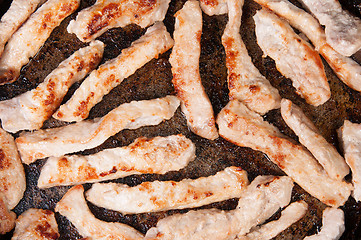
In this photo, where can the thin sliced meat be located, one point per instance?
(154, 156)
(109, 75)
(294, 212)
(165, 195)
(16, 15)
(245, 82)
(187, 82)
(345, 68)
(106, 14)
(7, 217)
(36, 224)
(333, 221)
(74, 207)
(294, 57)
(343, 31)
(29, 38)
(245, 128)
(29, 110)
(350, 137)
(91, 133)
(261, 199)
(309, 136)
(214, 7)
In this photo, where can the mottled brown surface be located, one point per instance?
(155, 80)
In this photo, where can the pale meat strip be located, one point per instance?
(333, 221)
(165, 195)
(294, 212)
(294, 57)
(187, 82)
(16, 15)
(309, 136)
(245, 82)
(36, 224)
(347, 70)
(29, 110)
(110, 74)
(261, 199)
(74, 207)
(91, 133)
(7, 217)
(245, 128)
(29, 38)
(106, 14)
(343, 31)
(214, 7)
(350, 137)
(154, 156)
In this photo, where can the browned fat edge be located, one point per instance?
(45, 230)
(212, 3)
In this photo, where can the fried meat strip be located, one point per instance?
(7, 217)
(74, 207)
(91, 133)
(165, 195)
(154, 156)
(347, 70)
(333, 225)
(245, 82)
(106, 14)
(28, 39)
(109, 75)
(187, 82)
(214, 7)
(30, 109)
(17, 14)
(294, 57)
(309, 136)
(294, 212)
(245, 128)
(343, 31)
(36, 224)
(261, 199)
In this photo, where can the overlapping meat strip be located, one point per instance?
(28, 39)
(294, 57)
(99, 83)
(343, 31)
(350, 137)
(29, 110)
(245, 82)
(310, 137)
(106, 14)
(165, 195)
(19, 11)
(187, 82)
(294, 212)
(157, 155)
(245, 128)
(74, 207)
(261, 199)
(214, 7)
(333, 225)
(91, 133)
(345, 68)
(36, 224)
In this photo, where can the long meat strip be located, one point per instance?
(17, 14)
(91, 133)
(29, 110)
(294, 57)
(245, 82)
(187, 82)
(106, 14)
(347, 70)
(74, 207)
(261, 199)
(245, 128)
(154, 156)
(28, 39)
(309, 136)
(109, 75)
(165, 195)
